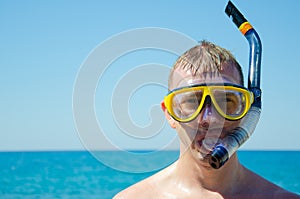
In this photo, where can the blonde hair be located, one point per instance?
(206, 58)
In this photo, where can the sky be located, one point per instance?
(46, 46)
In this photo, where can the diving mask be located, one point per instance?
(230, 100)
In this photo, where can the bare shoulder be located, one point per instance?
(266, 189)
(138, 190)
(146, 188)
(286, 194)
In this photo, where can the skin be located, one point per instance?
(191, 176)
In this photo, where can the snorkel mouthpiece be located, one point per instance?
(229, 145)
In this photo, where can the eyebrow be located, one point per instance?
(206, 84)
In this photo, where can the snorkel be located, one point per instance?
(229, 145)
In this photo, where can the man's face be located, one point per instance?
(202, 133)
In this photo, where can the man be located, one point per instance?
(206, 101)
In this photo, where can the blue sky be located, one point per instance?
(45, 43)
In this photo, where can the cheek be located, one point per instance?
(186, 133)
(229, 125)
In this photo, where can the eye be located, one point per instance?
(190, 100)
(232, 98)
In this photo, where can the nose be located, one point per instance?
(208, 115)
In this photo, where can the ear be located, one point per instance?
(171, 121)
(163, 106)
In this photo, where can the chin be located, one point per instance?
(202, 159)
(200, 153)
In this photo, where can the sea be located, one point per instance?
(80, 174)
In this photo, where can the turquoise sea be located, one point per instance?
(78, 174)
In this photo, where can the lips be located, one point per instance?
(210, 143)
(205, 144)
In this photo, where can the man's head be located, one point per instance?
(206, 97)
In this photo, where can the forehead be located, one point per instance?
(182, 77)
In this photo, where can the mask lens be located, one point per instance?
(231, 102)
(185, 104)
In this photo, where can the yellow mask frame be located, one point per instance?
(223, 96)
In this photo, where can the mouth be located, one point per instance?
(205, 144)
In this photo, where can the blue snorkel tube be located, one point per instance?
(229, 145)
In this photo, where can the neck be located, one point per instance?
(193, 172)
